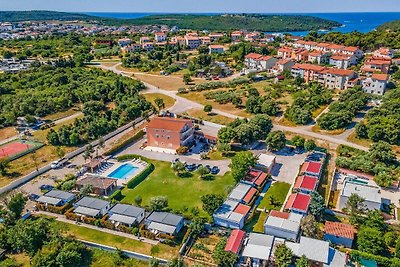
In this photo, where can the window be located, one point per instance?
(157, 136)
(168, 137)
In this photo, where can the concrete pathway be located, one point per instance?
(61, 218)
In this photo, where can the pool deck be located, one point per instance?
(117, 164)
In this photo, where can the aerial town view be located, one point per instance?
(212, 133)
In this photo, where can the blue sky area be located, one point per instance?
(198, 6)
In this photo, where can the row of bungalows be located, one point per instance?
(235, 210)
(330, 48)
(305, 184)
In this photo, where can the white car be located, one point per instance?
(55, 165)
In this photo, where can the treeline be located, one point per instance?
(366, 41)
(49, 89)
(379, 161)
(383, 122)
(342, 112)
(245, 131)
(307, 101)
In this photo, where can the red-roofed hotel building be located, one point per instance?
(169, 133)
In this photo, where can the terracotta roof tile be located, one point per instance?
(340, 229)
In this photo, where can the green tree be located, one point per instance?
(154, 262)
(203, 171)
(317, 205)
(207, 108)
(176, 262)
(187, 78)
(374, 219)
(276, 140)
(283, 256)
(302, 262)
(309, 145)
(86, 190)
(241, 163)
(382, 152)
(138, 200)
(15, 205)
(178, 167)
(222, 257)
(211, 202)
(159, 102)
(196, 226)
(68, 185)
(397, 248)
(4, 164)
(226, 134)
(298, 141)
(309, 227)
(158, 203)
(371, 240)
(356, 208)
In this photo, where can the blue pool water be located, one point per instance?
(123, 171)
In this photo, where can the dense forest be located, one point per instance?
(48, 89)
(224, 22)
(383, 122)
(391, 25)
(366, 41)
(41, 15)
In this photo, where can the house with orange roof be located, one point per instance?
(309, 45)
(148, 46)
(231, 214)
(256, 62)
(169, 133)
(179, 40)
(318, 57)
(144, 39)
(160, 36)
(376, 84)
(131, 48)
(281, 65)
(300, 54)
(236, 35)
(339, 233)
(192, 41)
(306, 184)
(124, 42)
(384, 52)
(285, 52)
(372, 65)
(252, 36)
(308, 72)
(205, 40)
(342, 61)
(214, 37)
(216, 49)
(298, 203)
(338, 78)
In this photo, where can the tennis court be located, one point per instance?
(18, 148)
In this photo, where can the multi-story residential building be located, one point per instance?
(338, 78)
(373, 65)
(318, 57)
(281, 65)
(148, 46)
(285, 52)
(236, 35)
(308, 72)
(144, 39)
(342, 61)
(257, 62)
(216, 49)
(124, 42)
(384, 52)
(205, 40)
(192, 42)
(214, 37)
(169, 133)
(333, 48)
(132, 48)
(252, 36)
(160, 36)
(376, 84)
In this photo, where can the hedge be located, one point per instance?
(117, 195)
(125, 143)
(141, 176)
(132, 156)
(380, 260)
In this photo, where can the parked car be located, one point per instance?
(214, 170)
(46, 187)
(191, 167)
(33, 197)
(55, 164)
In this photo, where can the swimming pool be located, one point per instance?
(123, 171)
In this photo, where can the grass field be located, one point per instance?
(278, 192)
(211, 117)
(21, 259)
(7, 132)
(120, 242)
(61, 114)
(101, 258)
(317, 129)
(181, 192)
(230, 108)
(168, 101)
(41, 135)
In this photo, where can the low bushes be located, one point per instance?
(125, 143)
(141, 176)
(117, 195)
(380, 260)
(70, 215)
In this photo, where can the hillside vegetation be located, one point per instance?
(15, 16)
(391, 25)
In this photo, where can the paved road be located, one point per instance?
(75, 115)
(183, 104)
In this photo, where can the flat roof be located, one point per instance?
(87, 211)
(122, 218)
(369, 193)
(127, 210)
(49, 200)
(165, 218)
(93, 203)
(227, 211)
(59, 194)
(258, 246)
(291, 223)
(239, 192)
(313, 249)
(170, 229)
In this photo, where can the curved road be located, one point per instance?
(182, 104)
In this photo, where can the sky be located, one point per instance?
(198, 6)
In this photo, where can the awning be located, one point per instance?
(122, 219)
(87, 211)
(169, 229)
(49, 200)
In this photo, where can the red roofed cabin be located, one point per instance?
(298, 203)
(235, 241)
(306, 184)
(256, 178)
(169, 133)
(311, 168)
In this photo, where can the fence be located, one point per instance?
(20, 181)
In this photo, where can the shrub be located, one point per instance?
(182, 150)
(141, 176)
(125, 143)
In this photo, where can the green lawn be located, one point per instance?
(102, 258)
(256, 224)
(278, 191)
(182, 193)
(83, 233)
